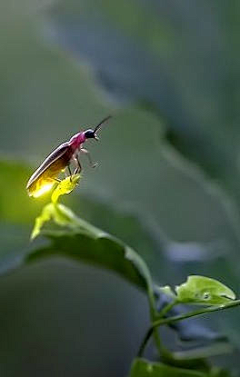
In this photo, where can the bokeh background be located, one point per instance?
(168, 179)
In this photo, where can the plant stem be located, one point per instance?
(145, 341)
(163, 312)
(163, 352)
(167, 308)
(211, 309)
(181, 317)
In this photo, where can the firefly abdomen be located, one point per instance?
(45, 176)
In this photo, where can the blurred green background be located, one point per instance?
(168, 176)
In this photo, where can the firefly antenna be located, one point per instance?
(103, 121)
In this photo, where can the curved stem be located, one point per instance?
(163, 352)
(145, 341)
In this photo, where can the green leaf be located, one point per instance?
(167, 290)
(204, 290)
(44, 217)
(66, 186)
(58, 213)
(144, 368)
(82, 241)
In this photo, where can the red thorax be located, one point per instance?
(76, 140)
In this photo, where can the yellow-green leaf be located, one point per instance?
(66, 186)
(204, 290)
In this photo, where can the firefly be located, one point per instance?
(44, 178)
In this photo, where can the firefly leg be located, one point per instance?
(70, 173)
(78, 165)
(57, 180)
(86, 152)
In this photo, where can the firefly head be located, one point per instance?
(90, 134)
